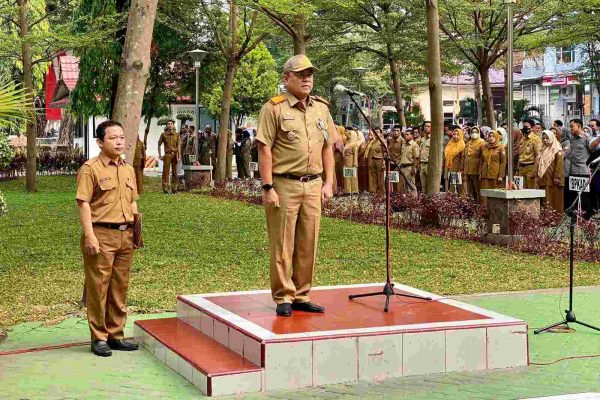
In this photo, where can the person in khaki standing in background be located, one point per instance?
(528, 154)
(409, 162)
(375, 162)
(139, 162)
(395, 143)
(424, 153)
(296, 135)
(107, 201)
(170, 140)
(473, 151)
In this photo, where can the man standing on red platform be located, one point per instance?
(296, 135)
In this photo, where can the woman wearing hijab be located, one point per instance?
(493, 164)
(454, 156)
(351, 161)
(473, 149)
(551, 171)
(503, 139)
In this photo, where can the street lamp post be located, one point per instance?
(197, 56)
(509, 106)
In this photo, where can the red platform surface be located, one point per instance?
(341, 312)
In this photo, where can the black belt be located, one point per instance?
(405, 165)
(526, 164)
(303, 178)
(120, 227)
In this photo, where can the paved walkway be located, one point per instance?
(75, 373)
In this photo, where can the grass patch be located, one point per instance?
(197, 244)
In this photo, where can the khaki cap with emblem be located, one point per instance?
(297, 63)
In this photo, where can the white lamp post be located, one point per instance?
(197, 55)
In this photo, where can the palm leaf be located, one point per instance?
(16, 105)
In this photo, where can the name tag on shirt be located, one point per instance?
(350, 172)
(454, 178)
(576, 183)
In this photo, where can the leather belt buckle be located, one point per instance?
(305, 178)
(123, 227)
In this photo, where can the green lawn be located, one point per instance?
(197, 244)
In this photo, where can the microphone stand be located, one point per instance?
(388, 288)
(572, 212)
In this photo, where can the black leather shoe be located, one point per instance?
(284, 309)
(308, 307)
(122, 345)
(100, 348)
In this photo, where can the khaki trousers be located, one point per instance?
(106, 282)
(409, 180)
(376, 174)
(170, 162)
(529, 175)
(472, 184)
(293, 230)
(139, 178)
(423, 176)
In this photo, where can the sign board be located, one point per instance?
(350, 172)
(253, 166)
(576, 183)
(454, 178)
(519, 182)
(192, 158)
(394, 177)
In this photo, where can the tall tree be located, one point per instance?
(478, 31)
(434, 167)
(135, 64)
(233, 47)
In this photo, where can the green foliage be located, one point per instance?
(255, 82)
(414, 117)
(16, 105)
(468, 108)
(522, 112)
(6, 152)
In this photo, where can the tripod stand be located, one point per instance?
(572, 211)
(388, 288)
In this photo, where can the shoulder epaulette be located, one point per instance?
(322, 100)
(91, 161)
(277, 99)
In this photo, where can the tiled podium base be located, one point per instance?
(229, 343)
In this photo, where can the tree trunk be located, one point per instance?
(300, 37)
(488, 98)
(120, 38)
(434, 167)
(135, 64)
(221, 172)
(397, 87)
(477, 89)
(26, 59)
(147, 129)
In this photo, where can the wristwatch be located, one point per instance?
(267, 186)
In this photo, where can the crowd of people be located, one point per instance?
(476, 158)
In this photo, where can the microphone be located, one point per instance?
(344, 89)
(597, 159)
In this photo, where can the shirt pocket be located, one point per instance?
(290, 130)
(108, 191)
(129, 188)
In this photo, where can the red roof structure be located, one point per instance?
(68, 73)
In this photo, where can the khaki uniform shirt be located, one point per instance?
(109, 188)
(374, 149)
(473, 150)
(170, 140)
(424, 149)
(296, 135)
(139, 159)
(496, 168)
(530, 148)
(395, 149)
(410, 153)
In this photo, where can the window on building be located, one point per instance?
(565, 55)
(448, 103)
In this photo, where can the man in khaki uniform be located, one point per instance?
(528, 152)
(395, 150)
(375, 163)
(139, 162)
(424, 153)
(170, 140)
(473, 153)
(107, 200)
(409, 162)
(295, 134)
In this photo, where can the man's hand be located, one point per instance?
(556, 181)
(326, 192)
(270, 198)
(91, 245)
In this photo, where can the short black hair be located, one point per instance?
(558, 122)
(246, 134)
(529, 121)
(596, 121)
(239, 131)
(577, 121)
(397, 126)
(423, 124)
(171, 120)
(538, 123)
(101, 129)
